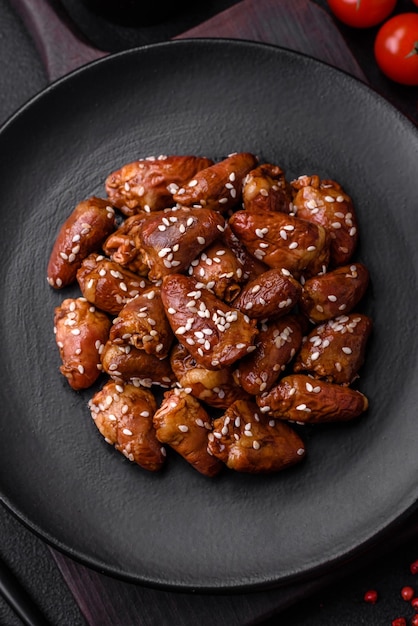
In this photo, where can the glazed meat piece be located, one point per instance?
(335, 350)
(218, 187)
(171, 239)
(143, 324)
(216, 388)
(149, 184)
(122, 247)
(300, 398)
(123, 414)
(276, 345)
(107, 284)
(125, 363)
(272, 294)
(82, 233)
(267, 189)
(220, 270)
(252, 267)
(80, 333)
(183, 424)
(282, 241)
(328, 295)
(215, 334)
(324, 202)
(246, 441)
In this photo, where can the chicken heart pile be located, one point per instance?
(229, 289)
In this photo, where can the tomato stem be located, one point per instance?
(413, 51)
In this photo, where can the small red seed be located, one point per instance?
(414, 603)
(414, 620)
(399, 621)
(414, 567)
(407, 593)
(371, 596)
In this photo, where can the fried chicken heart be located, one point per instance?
(123, 414)
(300, 398)
(246, 441)
(80, 333)
(82, 233)
(171, 239)
(183, 424)
(215, 334)
(219, 186)
(282, 241)
(335, 350)
(149, 184)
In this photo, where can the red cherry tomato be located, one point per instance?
(396, 48)
(362, 13)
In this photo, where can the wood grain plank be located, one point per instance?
(106, 601)
(61, 48)
(299, 25)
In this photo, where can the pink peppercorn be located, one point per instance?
(414, 603)
(399, 621)
(407, 593)
(370, 596)
(414, 567)
(414, 620)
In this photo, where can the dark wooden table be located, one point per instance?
(39, 48)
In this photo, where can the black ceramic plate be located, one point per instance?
(178, 529)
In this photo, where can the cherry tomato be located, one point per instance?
(362, 13)
(396, 48)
